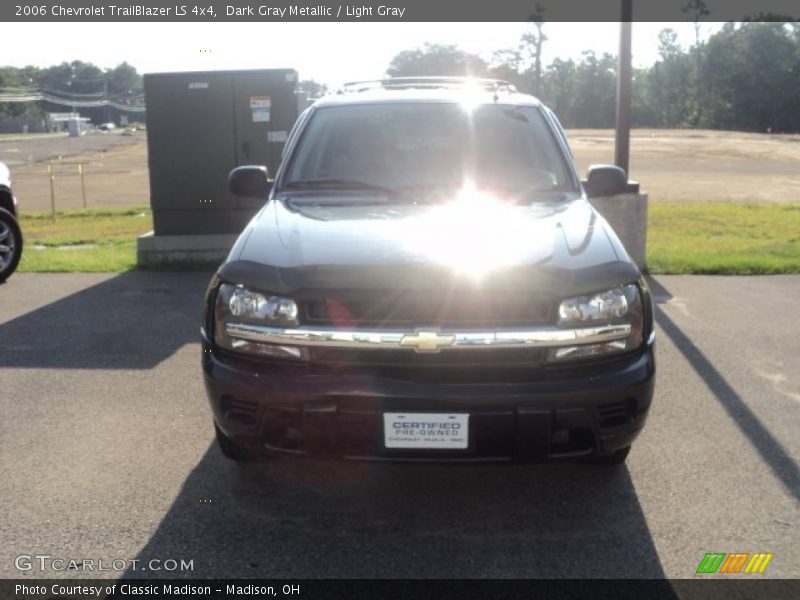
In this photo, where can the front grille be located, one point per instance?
(448, 366)
(443, 310)
(439, 309)
(489, 358)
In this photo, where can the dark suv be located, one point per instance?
(10, 234)
(428, 282)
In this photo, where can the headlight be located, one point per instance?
(620, 305)
(243, 303)
(237, 304)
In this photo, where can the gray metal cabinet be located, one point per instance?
(200, 125)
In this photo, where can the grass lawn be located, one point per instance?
(721, 238)
(99, 240)
(682, 238)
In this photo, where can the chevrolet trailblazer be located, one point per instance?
(427, 281)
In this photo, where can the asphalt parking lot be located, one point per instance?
(107, 453)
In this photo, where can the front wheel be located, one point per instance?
(10, 244)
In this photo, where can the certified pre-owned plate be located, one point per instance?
(426, 430)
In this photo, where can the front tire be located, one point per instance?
(231, 449)
(10, 244)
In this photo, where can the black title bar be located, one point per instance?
(711, 588)
(393, 10)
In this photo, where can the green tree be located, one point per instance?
(435, 59)
(559, 88)
(314, 89)
(668, 82)
(746, 76)
(594, 91)
(532, 43)
(123, 79)
(509, 65)
(13, 79)
(750, 74)
(696, 9)
(76, 77)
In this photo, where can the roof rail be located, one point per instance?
(405, 83)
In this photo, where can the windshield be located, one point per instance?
(428, 146)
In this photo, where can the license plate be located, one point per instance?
(426, 430)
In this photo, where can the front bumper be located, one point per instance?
(564, 412)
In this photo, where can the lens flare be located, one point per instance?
(475, 233)
(472, 95)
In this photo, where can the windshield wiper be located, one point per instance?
(336, 183)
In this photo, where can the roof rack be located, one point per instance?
(405, 83)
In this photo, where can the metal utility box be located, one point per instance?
(200, 125)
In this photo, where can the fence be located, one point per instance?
(53, 169)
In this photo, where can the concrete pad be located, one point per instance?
(154, 250)
(627, 215)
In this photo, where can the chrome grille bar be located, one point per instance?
(428, 340)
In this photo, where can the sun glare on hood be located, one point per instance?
(474, 234)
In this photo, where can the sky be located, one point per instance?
(330, 53)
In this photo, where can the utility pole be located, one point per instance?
(105, 96)
(622, 140)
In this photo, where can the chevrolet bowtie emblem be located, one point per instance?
(427, 341)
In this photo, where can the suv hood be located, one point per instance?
(564, 247)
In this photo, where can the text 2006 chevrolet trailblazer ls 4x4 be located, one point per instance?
(428, 282)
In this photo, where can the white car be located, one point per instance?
(10, 233)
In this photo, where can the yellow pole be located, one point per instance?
(52, 173)
(83, 184)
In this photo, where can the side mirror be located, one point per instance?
(605, 180)
(249, 181)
